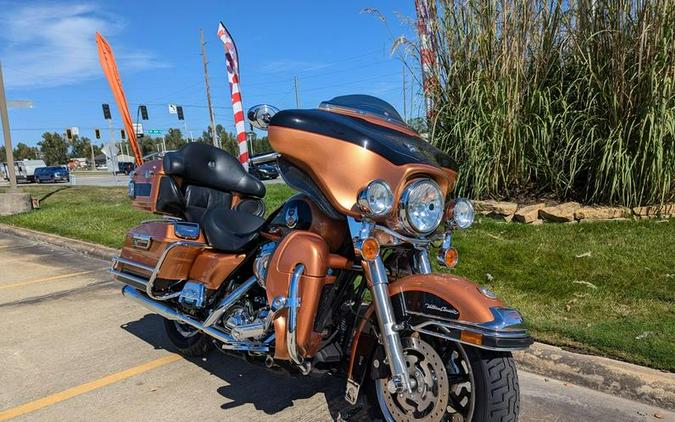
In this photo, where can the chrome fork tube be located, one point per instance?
(377, 276)
(422, 262)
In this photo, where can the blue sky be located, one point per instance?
(48, 52)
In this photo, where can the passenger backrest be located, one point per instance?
(199, 199)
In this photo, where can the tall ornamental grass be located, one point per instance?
(568, 99)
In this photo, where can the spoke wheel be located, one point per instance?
(443, 385)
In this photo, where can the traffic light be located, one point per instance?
(69, 134)
(122, 134)
(106, 112)
(97, 133)
(144, 112)
(179, 110)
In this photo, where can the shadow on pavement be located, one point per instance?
(268, 390)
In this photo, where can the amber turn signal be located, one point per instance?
(450, 257)
(471, 338)
(370, 249)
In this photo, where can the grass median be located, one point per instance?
(604, 288)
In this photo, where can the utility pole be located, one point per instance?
(216, 141)
(93, 157)
(4, 116)
(405, 117)
(297, 95)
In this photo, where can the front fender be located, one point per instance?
(444, 306)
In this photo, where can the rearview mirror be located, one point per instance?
(259, 116)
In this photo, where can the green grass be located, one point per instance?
(629, 315)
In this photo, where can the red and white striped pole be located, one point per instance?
(240, 125)
(427, 57)
(232, 59)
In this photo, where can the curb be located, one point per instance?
(610, 376)
(86, 248)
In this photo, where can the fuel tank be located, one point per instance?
(341, 150)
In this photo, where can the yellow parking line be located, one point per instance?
(85, 388)
(56, 277)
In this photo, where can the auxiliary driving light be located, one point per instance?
(376, 199)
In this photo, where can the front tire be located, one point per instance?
(468, 384)
(187, 340)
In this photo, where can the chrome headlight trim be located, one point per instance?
(373, 207)
(404, 202)
(463, 213)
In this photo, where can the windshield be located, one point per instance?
(364, 104)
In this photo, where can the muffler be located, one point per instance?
(167, 312)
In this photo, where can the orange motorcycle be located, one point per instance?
(340, 277)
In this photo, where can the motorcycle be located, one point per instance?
(340, 277)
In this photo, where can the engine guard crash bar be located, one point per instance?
(498, 335)
(167, 312)
(147, 284)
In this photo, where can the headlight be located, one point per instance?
(376, 199)
(460, 212)
(421, 206)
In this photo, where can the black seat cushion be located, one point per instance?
(230, 230)
(211, 167)
(199, 199)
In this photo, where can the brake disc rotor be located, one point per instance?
(429, 399)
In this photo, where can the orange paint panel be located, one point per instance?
(212, 268)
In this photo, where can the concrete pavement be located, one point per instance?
(74, 349)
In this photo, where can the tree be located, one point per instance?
(261, 146)
(24, 152)
(3, 155)
(54, 148)
(80, 147)
(174, 139)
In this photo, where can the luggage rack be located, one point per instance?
(147, 284)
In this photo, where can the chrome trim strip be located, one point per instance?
(474, 328)
(228, 341)
(119, 259)
(293, 303)
(480, 346)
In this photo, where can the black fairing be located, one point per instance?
(300, 181)
(210, 167)
(397, 147)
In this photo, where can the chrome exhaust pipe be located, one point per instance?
(167, 312)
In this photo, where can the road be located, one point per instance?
(109, 180)
(73, 349)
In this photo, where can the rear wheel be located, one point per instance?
(188, 341)
(452, 383)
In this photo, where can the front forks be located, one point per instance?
(376, 275)
(384, 311)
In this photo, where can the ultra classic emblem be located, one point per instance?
(445, 309)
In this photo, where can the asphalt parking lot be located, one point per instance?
(73, 349)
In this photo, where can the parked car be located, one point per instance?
(264, 171)
(52, 174)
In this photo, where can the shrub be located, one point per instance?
(573, 99)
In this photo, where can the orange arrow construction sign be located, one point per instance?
(107, 59)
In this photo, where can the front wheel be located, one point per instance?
(452, 383)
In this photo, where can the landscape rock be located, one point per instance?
(499, 209)
(601, 213)
(529, 213)
(563, 213)
(667, 210)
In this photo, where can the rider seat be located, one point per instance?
(230, 230)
